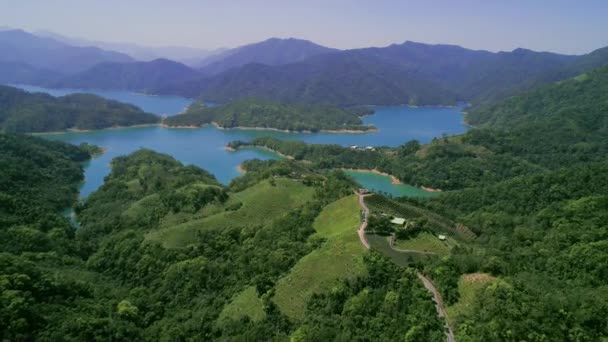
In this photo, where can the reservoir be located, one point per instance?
(204, 147)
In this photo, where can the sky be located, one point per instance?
(573, 27)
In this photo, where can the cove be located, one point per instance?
(383, 184)
(204, 147)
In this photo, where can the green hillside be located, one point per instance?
(581, 101)
(268, 114)
(23, 112)
(257, 205)
(339, 257)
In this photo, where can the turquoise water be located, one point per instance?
(204, 146)
(380, 183)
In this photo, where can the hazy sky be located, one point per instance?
(552, 25)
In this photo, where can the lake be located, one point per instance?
(204, 147)
(160, 105)
(384, 184)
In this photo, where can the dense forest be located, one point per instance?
(558, 125)
(163, 251)
(268, 114)
(112, 278)
(531, 183)
(23, 112)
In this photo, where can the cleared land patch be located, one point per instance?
(469, 286)
(340, 256)
(426, 242)
(261, 204)
(247, 303)
(381, 244)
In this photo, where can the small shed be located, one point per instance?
(398, 221)
(363, 191)
(442, 237)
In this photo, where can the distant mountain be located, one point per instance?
(273, 51)
(183, 54)
(137, 76)
(472, 74)
(19, 72)
(45, 53)
(333, 78)
(411, 72)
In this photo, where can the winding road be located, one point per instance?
(363, 225)
(428, 284)
(439, 306)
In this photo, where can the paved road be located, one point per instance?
(438, 305)
(428, 284)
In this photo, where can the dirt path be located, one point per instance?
(428, 284)
(361, 230)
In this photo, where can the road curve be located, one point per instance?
(428, 284)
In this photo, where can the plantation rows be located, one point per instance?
(439, 224)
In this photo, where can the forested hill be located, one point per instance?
(532, 187)
(136, 76)
(581, 102)
(335, 78)
(273, 51)
(414, 73)
(38, 179)
(556, 126)
(22, 112)
(268, 114)
(165, 252)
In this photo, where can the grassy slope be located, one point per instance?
(468, 287)
(261, 204)
(339, 257)
(426, 242)
(246, 303)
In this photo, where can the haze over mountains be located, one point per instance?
(18, 46)
(295, 71)
(183, 54)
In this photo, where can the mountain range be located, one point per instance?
(18, 46)
(183, 54)
(140, 76)
(273, 51)
(296, 71)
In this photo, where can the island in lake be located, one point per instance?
(253, 113)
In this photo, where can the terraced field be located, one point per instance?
(340, 256)
(438, 223)
(426, 242)
(261, 203)
(381, 244)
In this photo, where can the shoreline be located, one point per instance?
(77, 130)
(430, 189)
(163, 125)
(230, 149)
(394, 180)
(241, 169)
(247, 128)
